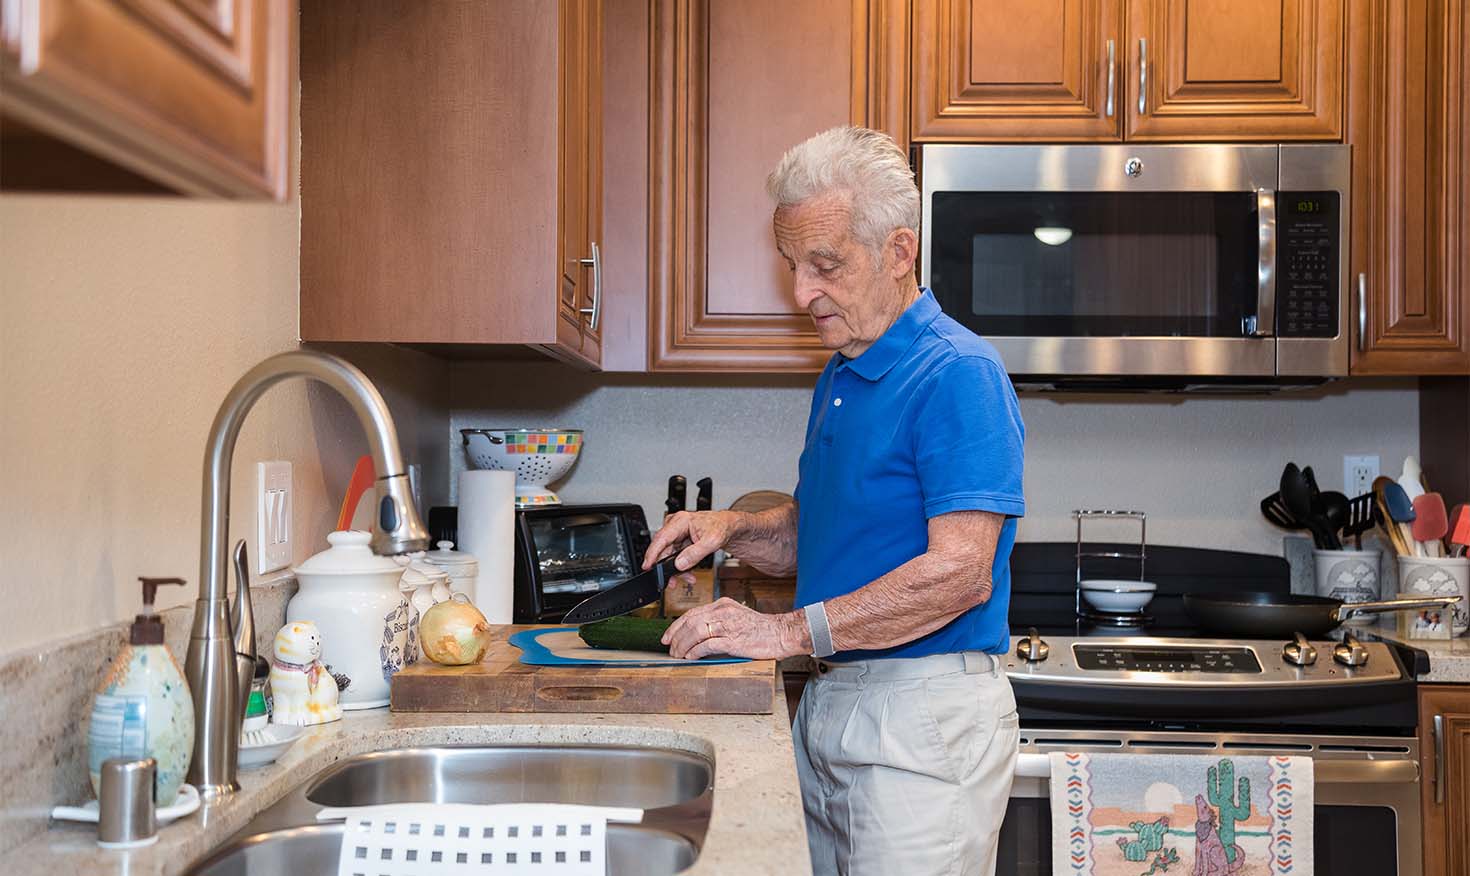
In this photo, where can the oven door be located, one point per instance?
(1365, 819)
(1110, 261)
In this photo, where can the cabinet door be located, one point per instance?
(192, 93)
(735, 85)
(1408, 117)
(1221, 70)
(1444, 743)
(579, 174)
(1016, 70)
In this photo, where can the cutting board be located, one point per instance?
(502, 683)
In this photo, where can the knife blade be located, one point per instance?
(676, 496)
(620, 599)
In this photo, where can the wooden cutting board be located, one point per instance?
(503, 684)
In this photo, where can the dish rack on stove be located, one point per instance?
(1121, 620)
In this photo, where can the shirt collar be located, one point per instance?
(880, 358)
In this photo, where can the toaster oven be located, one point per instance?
(564, 553)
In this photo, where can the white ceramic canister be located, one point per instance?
(1351, 576)
(1439, 576)
(463, 569)
(352, 596)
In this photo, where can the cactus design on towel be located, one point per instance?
(1150, 839)
(1218, 786)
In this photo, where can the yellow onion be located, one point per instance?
(454, 633)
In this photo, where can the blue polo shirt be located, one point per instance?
(923, 423)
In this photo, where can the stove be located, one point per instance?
(1163, 686)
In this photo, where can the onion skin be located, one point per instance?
(454, 633)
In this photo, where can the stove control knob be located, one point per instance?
(1350, 652)
(1032, 649)
(1299, 652)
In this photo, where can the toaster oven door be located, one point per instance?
(573, 551)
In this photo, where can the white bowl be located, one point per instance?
(537, 456)
(278, 738)
(1118, 597)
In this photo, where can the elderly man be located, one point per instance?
(900, 536)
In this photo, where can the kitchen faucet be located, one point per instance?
(210, 666)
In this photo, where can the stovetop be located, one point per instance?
(1169, 674)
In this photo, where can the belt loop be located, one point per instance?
(978, 662)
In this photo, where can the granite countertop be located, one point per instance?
(756, 826)
(1449, 659)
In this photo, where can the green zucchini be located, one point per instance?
(627, 633)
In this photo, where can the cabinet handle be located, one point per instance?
(1142, 76)
(1112, 63)
(1362, 312)
(1438, 759)
(595, 311)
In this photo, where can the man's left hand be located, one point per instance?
(727, 627)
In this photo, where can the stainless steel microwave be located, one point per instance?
(1197, 264)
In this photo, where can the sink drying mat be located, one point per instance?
(439, 839)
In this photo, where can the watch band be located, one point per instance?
(821, 633)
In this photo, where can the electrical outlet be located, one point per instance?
(272, 516)
(1358, 473)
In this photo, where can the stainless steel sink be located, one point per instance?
(594, 776)
(312, 851)
(674, 789)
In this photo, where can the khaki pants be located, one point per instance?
(906, 764)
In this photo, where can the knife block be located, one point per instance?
(681, 597)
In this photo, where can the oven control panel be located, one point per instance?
(1148, 661)
(1133, 658)
(1308, 231)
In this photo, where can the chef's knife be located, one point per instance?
(675, 502)
(620, 599)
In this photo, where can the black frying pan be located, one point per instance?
(1260, 615)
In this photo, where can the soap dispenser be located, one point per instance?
(143, 708)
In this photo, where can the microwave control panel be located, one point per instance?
(1308, 234)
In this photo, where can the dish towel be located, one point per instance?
(1182, 815)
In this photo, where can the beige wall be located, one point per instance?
(123, 322)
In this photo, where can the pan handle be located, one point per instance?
(1348, 609)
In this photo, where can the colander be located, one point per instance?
(537, 456)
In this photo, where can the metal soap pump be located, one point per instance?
(142, 709)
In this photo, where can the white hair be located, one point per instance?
(864, 164)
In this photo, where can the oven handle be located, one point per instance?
(1263, 324)
(1038, 766)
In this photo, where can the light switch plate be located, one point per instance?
(272, 516)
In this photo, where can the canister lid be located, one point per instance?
(349, 554)
(446, 555)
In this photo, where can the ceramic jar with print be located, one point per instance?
(1351, 576)
(1439, 576)
(365, 620)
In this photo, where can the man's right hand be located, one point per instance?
(694, 535)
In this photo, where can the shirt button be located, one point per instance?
(836, 402)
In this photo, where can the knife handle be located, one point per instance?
(677, 495)
(704, 501)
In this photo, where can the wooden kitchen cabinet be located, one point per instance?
(1176, 70)
(1228, 70)
(734, 86)
(1017, 70)
(1444, 744)
(1408, 116)
(194, 94)
(451, 175)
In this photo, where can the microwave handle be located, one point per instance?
(1263, 325)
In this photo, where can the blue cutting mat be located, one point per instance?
(534, 653)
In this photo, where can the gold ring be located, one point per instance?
(709, 630)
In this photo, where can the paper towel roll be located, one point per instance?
(487, 529)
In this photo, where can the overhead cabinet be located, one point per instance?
(1143, 70)
(734, 86)
(1409, 114)
(193, 94)
(451, 175)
